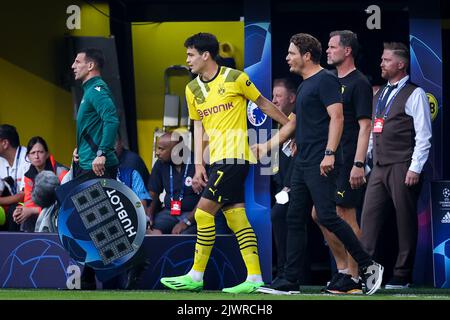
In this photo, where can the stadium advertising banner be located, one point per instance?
(101, 223)
(38, 260)
(426, 71)
(440, 194)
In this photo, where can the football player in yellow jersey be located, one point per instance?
(217, 101)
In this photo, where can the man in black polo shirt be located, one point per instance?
(180, 200)
(319, 123)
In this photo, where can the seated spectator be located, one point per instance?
(37, 153)
(130, 159)
(132, 179)
(180, 200)
(13, 166)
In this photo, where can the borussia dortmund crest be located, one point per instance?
(221, 90)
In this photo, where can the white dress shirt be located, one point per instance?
(17, 170)
(418, 107)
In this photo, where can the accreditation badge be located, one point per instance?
(175, 207)
(378, 125)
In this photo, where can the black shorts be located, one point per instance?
(226, 182)
(346, 196)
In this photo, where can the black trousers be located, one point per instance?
(279, 228)
(308, 187)
(83, 175)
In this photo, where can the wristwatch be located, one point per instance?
(101, 153)
(358, 164)
(329, 152)
(187, 222)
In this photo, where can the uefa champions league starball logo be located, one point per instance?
(255, 115)
(446, 194)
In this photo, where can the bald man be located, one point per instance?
(173, 174)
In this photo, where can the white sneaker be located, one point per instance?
(372, 277)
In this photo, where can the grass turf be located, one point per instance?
(307, 293)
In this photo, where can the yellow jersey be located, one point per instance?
(221, 105)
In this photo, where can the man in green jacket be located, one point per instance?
(97, 128)
(97, 121)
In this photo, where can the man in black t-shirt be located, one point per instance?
(318, 127)
(357, 101)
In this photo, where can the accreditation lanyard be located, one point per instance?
(388, 108)
(14, 187)
(182, 183)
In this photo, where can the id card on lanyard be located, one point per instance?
(378, 123)
(175, 205)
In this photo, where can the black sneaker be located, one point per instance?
(277, 278)
(372, 275)
(398, 283)
(88, 285)
(334, 279)
(346, 285)
(134, 275)
(282, 284)
(87, 279)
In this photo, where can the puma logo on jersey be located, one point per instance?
(341, 193)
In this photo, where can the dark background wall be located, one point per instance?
(319, 18)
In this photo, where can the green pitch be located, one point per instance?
(307, 293)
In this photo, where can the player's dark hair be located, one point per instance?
(203, 42)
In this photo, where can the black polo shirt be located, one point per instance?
(314, 95)
(160, 180)
(357, 95)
